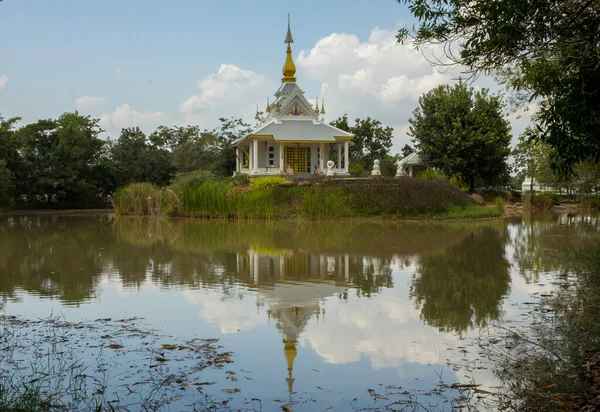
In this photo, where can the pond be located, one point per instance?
(318, 315)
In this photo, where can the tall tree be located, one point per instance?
(230, 130)
(406, 150)
(547, 50)
(371, 140)
(64, 160)
(462, 132)
(532, 158)
(10, 161)
(138, 159)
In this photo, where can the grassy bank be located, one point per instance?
(275, 197)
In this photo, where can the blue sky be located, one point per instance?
(136, 62)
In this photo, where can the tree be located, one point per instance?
(64, 160)
(406, 150)
(10, 161)
(371, 140)
(462, 132)
(532, 157)
(546, 50)
(229, 131)
(138, 159)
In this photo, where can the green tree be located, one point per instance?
(546, 50)
(462, 132)
(532, 157)
(406, 150)
(139, 159)
(64, 160)
(10, 161)
(371, 140)
(229, 131)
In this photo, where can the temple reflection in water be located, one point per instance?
(293, 287)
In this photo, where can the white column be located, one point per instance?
(251, 156)
(322, 158)
(255, 159)
(339, 155)
(282, 156)
(238, 159)
(346, 157)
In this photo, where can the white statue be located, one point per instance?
(376, 169)
(330, 171)
(399, 171)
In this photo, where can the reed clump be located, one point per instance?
(275, 197)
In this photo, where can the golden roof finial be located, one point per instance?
(317, 105)
(268, 109)
(289, 68)
(257, 115)
(322, 106)
(288, 37)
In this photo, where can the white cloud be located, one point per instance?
(377, 78)
(232, 91)
(127, 116)
(3, 81)
(120, 73)
(87, 102)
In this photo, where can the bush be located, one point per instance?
(431, 175)
(241, 179)
(499, 201)
(138, 199)
(358, 170)
(260, 183)
(594, 203)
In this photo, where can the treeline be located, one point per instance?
(66, 160)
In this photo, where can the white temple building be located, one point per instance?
(293, 136)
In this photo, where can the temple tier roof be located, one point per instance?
(291, 117)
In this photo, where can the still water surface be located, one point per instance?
(318, 311)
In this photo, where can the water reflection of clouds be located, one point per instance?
(229, 315)
(386, 329)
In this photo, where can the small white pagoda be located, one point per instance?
(293, 136)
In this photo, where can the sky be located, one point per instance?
(148, 63)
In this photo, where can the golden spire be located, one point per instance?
(268, 109)
(323, 106)
(289, 349)
(317, 106)
(257, 117)
(289, 68)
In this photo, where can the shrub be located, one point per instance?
(594, 203)
(431, 175)
(357, 170)
(499, 201)
(138, 199)
(241, 179)
(261, 183)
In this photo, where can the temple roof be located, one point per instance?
(411, 159)
(291, 117)
(298, 130)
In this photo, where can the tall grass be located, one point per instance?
(274, 197)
